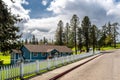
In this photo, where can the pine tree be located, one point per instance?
(80, 38)
(8, 30)
(93, 36)
(86, 25)
(115, 32)
(33, 39)
(59, 33)
(66, 33)
(74, 24)
(26, 41)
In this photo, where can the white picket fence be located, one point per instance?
(22, 69)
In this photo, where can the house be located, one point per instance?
(41, 52)
(16, 56)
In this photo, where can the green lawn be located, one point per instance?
(110, 48)
(102, 48)
(6, 59)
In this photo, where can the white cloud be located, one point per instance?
(44, 2)
(99, 11)
(103, 10)
(44, 27)
(17, 8)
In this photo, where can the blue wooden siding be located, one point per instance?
(40, 56)
(12, 58)
(30, 55)
(26, 53)
(15, 57)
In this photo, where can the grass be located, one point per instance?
(107, 48)
(6, 59)
(110, 47)
(78, 52)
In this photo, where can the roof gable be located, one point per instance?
(16, 51)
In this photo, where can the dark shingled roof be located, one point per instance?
(46, 48)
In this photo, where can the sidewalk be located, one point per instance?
(50, 74)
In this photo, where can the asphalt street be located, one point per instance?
(105, 67)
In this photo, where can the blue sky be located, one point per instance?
(38, 10)
(40, 17)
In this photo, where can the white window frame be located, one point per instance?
(43, 54)
(35, 53)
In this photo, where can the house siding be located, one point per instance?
(15, 57)
(26, 53)
(29, 56)
(40, 56)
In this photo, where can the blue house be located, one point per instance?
(42, 52)
(16, 56)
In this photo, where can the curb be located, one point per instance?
(67, 71)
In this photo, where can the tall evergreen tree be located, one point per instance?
(66, 33)
(26, 41)
(80, 38)
(93, 36)
(74, 24)
(109, 38)
(59, 33)
(98, 37)
(33, 39)
(86, 24)
(8, 30)
(115, 32)
(45, 41)
(104, 35)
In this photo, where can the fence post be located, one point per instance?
(48, 64)
(21, 71)
(37, 67)
(55, 59)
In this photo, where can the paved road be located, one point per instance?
(57, 71)
(105, 67)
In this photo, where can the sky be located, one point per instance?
(40, 17)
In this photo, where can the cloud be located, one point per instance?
(99, 12)
(17, 8)
(44, 2)
(44, 27)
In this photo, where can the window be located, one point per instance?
(43, 54)
(35, 54)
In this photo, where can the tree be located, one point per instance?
(45, 41)
(8, 30)
(26, 41)
(115, 32)
(80, 38)
(98, 37)
(104, 35)
(59, 33)
(33, 39)
(74, 24)
(109, 38)
(66, 33)
(93, 36)
(86, 24)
